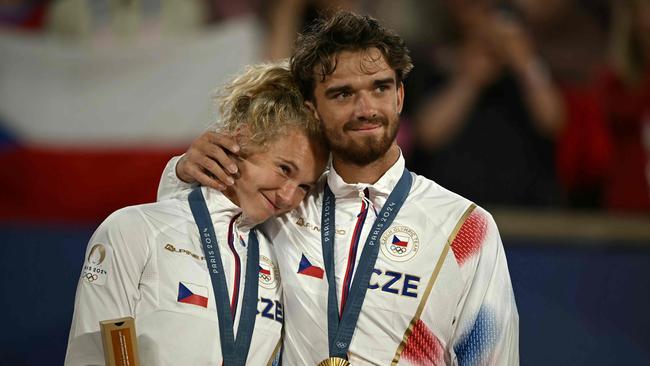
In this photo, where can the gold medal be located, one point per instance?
(334, 361)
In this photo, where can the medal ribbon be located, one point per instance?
(237, 277)
(340, 331)
(234, 351)
(354, 246)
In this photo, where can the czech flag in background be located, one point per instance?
(87, 128)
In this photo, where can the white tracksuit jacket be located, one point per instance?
(440, 293)
(147, 262)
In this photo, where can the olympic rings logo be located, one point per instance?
(268, 275)
(90, 277)
(400, 243)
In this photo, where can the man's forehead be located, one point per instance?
(356, 63)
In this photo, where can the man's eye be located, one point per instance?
(343, 95)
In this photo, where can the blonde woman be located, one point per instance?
(200, 281)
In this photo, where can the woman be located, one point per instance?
(160, 264)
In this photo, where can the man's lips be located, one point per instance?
(365, 124)
(365, 127)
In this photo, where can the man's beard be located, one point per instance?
(363, 151)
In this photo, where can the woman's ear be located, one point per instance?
(242, 137)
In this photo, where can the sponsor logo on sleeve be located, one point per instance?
(96, 266)
(400, 243)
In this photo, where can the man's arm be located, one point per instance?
(206, 162)
(108, 288)
(487, 321)
(171, 185)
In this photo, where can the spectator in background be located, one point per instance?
(216, 11)
(488, 112)
(626, 96)
(286, 18)
(23, 14)
(414, 20)
(569, 36)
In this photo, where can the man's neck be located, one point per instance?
(369, 173)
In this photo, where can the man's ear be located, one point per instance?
(312, 107)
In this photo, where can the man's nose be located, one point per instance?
(364, 106)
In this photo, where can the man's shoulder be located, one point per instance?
(440, 206)
(426, 192)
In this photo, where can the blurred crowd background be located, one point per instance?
(537, 103)
(538, 110)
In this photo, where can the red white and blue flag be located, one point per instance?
(306, 268)
(265, 271)
(190, 293)
(87, 129)
(399, 242)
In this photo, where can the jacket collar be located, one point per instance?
(382, 188)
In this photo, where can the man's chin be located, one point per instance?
(360, 150)
(360, 155)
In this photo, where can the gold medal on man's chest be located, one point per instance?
(334, 361)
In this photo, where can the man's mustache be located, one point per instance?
(357, 124)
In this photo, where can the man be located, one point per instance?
(379, 266)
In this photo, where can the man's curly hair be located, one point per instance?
(316, 50)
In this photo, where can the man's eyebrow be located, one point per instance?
(348, 88)
(388, 80)
(337, 89)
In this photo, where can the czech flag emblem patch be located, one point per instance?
(306, 268)
(399, 242)
(190, 293)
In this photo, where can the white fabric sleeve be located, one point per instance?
(170, 185)
(108, 288)
(487, 327)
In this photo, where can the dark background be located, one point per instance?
(580, 302)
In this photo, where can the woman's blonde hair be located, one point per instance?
(264, 102)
